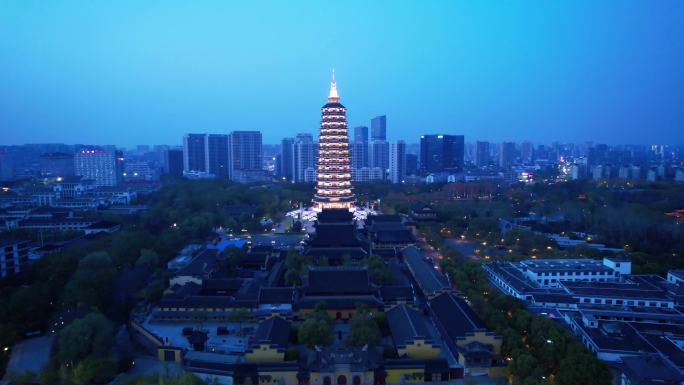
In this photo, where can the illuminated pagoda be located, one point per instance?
(333, 188)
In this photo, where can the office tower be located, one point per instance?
(194, 153)
(286, 164)
(359, 149)
(411, 164)
(481, 156)
(361, 134)
(56, 164)
(217, 155)
(507, 154)
(246, 150)
(378, 155)
(304, 158)
(379, 128)
(104, 167)
(359, 154)
(173, 162)
(526, 152)
(440, 153)
(397, 161)
(333, 188)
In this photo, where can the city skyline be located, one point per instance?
(608, 76)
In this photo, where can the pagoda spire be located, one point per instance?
(333, 96)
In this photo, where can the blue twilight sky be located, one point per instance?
(129, 72)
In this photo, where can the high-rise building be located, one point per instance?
(103, 166)
(286, 163)
(507, 154)
(378, 155)
(361, 134)
(411, 164)
(246, 151)
(57, 164)
(526, 152)
(379, 128)
(304, 158)
(333, 182)
(217, 155)
(173, 162)
(359, 148)
(440, 153)
(397, 161)
(194, 153)
(359, 154)
(481, 156)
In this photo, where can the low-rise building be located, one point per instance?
(410, 334)
(429, 280)
(476, 348)
(13, 257)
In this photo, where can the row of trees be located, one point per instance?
(538, 350)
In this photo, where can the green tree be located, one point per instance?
(48, 375)
(379, 271)
(364, 329)
(90, 335)
(147, 257)
(92, 282)
(315, 332)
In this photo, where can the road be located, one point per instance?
(464, 247)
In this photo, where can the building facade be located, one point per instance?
(57, 164)
(379, 128)
(217, 153)
(246, 158)
(397, 161)
(304, 158)
(439, 153)
(481, 155)
(378, 155)
(194, 153)
(285, 168)
(173, 162)
(103, 166)
(507, 155)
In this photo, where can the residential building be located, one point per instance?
(246, 156)
(397, 161)
(481, 156)
(507, 155)
(173, 162)
(304, 158)
(194, 153)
